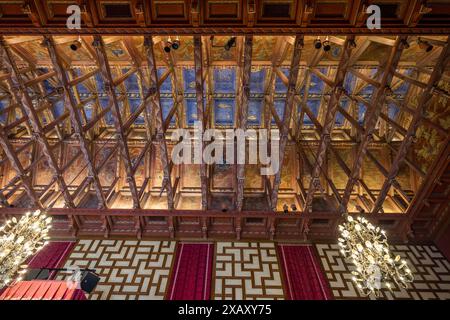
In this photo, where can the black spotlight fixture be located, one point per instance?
(74, 46)
(352, 44)
(405, 44)
(317, 43)
(168, 45)
(326, 45)
(424, 45)
(293, 207)
(230, 43)
(176, 43)
(285, 208)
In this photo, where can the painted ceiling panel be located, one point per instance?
(255, 107)
(316, 84)
(131, 83)
(189, 80)
(392, 110)
(279, 108)
(349, 82)
(279, 85)
(166, 105)
(58, 108)
(224, 112)
(314, 106)
(191, 111)
(257, 81)
(3, 105)
(361, 112)
(225, 80)
(166, 86)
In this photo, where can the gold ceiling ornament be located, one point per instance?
(19, 240)
(366, 246)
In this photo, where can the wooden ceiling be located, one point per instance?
(86, 132)
(226, 16)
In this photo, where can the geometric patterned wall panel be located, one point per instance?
(247, 270)
(430, 268)
(129, 270)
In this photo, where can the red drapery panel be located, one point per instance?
(52, 255)
(42, 290)
(191, 273)
(302, 275)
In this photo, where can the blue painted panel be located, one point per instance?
(191, 111)
(89, 112)
(361, 112)
(316, 84)
(189, 80)
(166, 105)
(224, 112)
(225, 80)
(255, 107)
(392, 110)
(58, 108)
(314, 106)
(166, 86)
(134, 104)
(349, 82)
(3, 105)
(82, 90)
(279, 85)
(279, 108)
(131, 83)
(339, 119)
(257, 81)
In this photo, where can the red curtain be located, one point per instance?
(191, 273)
(302, 274)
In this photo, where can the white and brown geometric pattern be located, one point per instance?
(431, 273)
(129, 270)
(247, 270)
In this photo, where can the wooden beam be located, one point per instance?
(75, 119)
(105, 71)
(284, 131)
(330, 119)
(371, 117)
(155, 100)
(198, 61)
(424, 100)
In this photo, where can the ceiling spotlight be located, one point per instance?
(230, 43)
(424, 45)
(352, 44)
(176, 43)
(293, 207)
(405, 44)
(326, 45)
(74, 46)
(285, 208)
(168, 45)
(317, 43)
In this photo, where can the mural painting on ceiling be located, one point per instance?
(108, 174)
(223, 176)
(253, 178)
(429, 142)
(140, 172)
(45, 172)
(74, 176)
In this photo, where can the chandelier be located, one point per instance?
(367, 247)
(19, 240)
